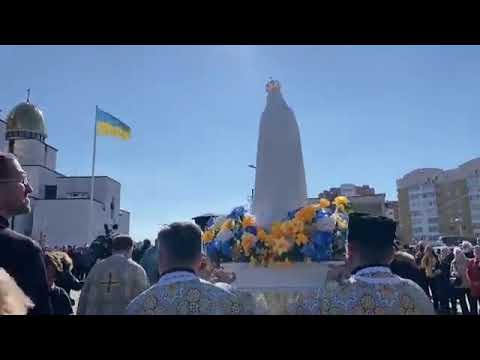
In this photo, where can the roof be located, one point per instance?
(365, 197)
(60, 175)
(26, 120)
(75, 199)
(89, 177)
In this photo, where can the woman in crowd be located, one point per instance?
(459, 279)
(65, 279)
(467, 249)
(419, 253)
(429, 264)
(13, 300)
(60, 300)
(443, 281)
(473, 275)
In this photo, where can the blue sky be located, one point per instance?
(367, 115)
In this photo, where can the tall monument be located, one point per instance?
(280, 184)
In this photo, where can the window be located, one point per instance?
(78, 195)
(433, 220)
(417, 230)
(50, 192)
(433, 229)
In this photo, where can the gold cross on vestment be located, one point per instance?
(110, 283)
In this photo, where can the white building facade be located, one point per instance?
(60, 203)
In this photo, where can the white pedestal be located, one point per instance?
(278, 289)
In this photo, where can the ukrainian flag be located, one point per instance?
(109, 125)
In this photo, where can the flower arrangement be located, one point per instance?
(310, 233)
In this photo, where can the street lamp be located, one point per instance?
(253, 189)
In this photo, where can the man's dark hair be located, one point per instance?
(373, 236)
(122, 243)
(181, 240)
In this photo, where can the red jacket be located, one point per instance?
(473, 273)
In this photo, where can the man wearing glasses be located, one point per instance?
(20, 256)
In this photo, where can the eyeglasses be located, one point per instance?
(23, 181)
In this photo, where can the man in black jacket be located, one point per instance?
(20, 256)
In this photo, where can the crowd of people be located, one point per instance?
(173, 276)
(450, 276)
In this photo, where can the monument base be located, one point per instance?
(281, 288)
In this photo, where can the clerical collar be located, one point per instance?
(177, 275)
(363, 267)
(4, 223)
(178, 269)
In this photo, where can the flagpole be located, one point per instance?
(92, 180)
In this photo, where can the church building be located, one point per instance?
(60, 203)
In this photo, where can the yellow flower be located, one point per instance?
(298, 225)
(261, 234)
(307, 229)
(207, 236)
(341, 200)
(306, 214)
(324, 203)
(277, 230)
(248, 241)
(301, 239)
(269, 240)
(227, 225)
(248, 220)
(281, 246)
(288, 228)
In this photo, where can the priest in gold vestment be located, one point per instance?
(370, 288)
(180, 291)
(113, 282)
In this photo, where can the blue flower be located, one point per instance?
(322, 243)
(226, 249)
(212, 249)
(322, 214)
(210, 222)
(251, 230)
(291, 214)
(322, 238)
(237, 213)
(308, 250)
(238, 233)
